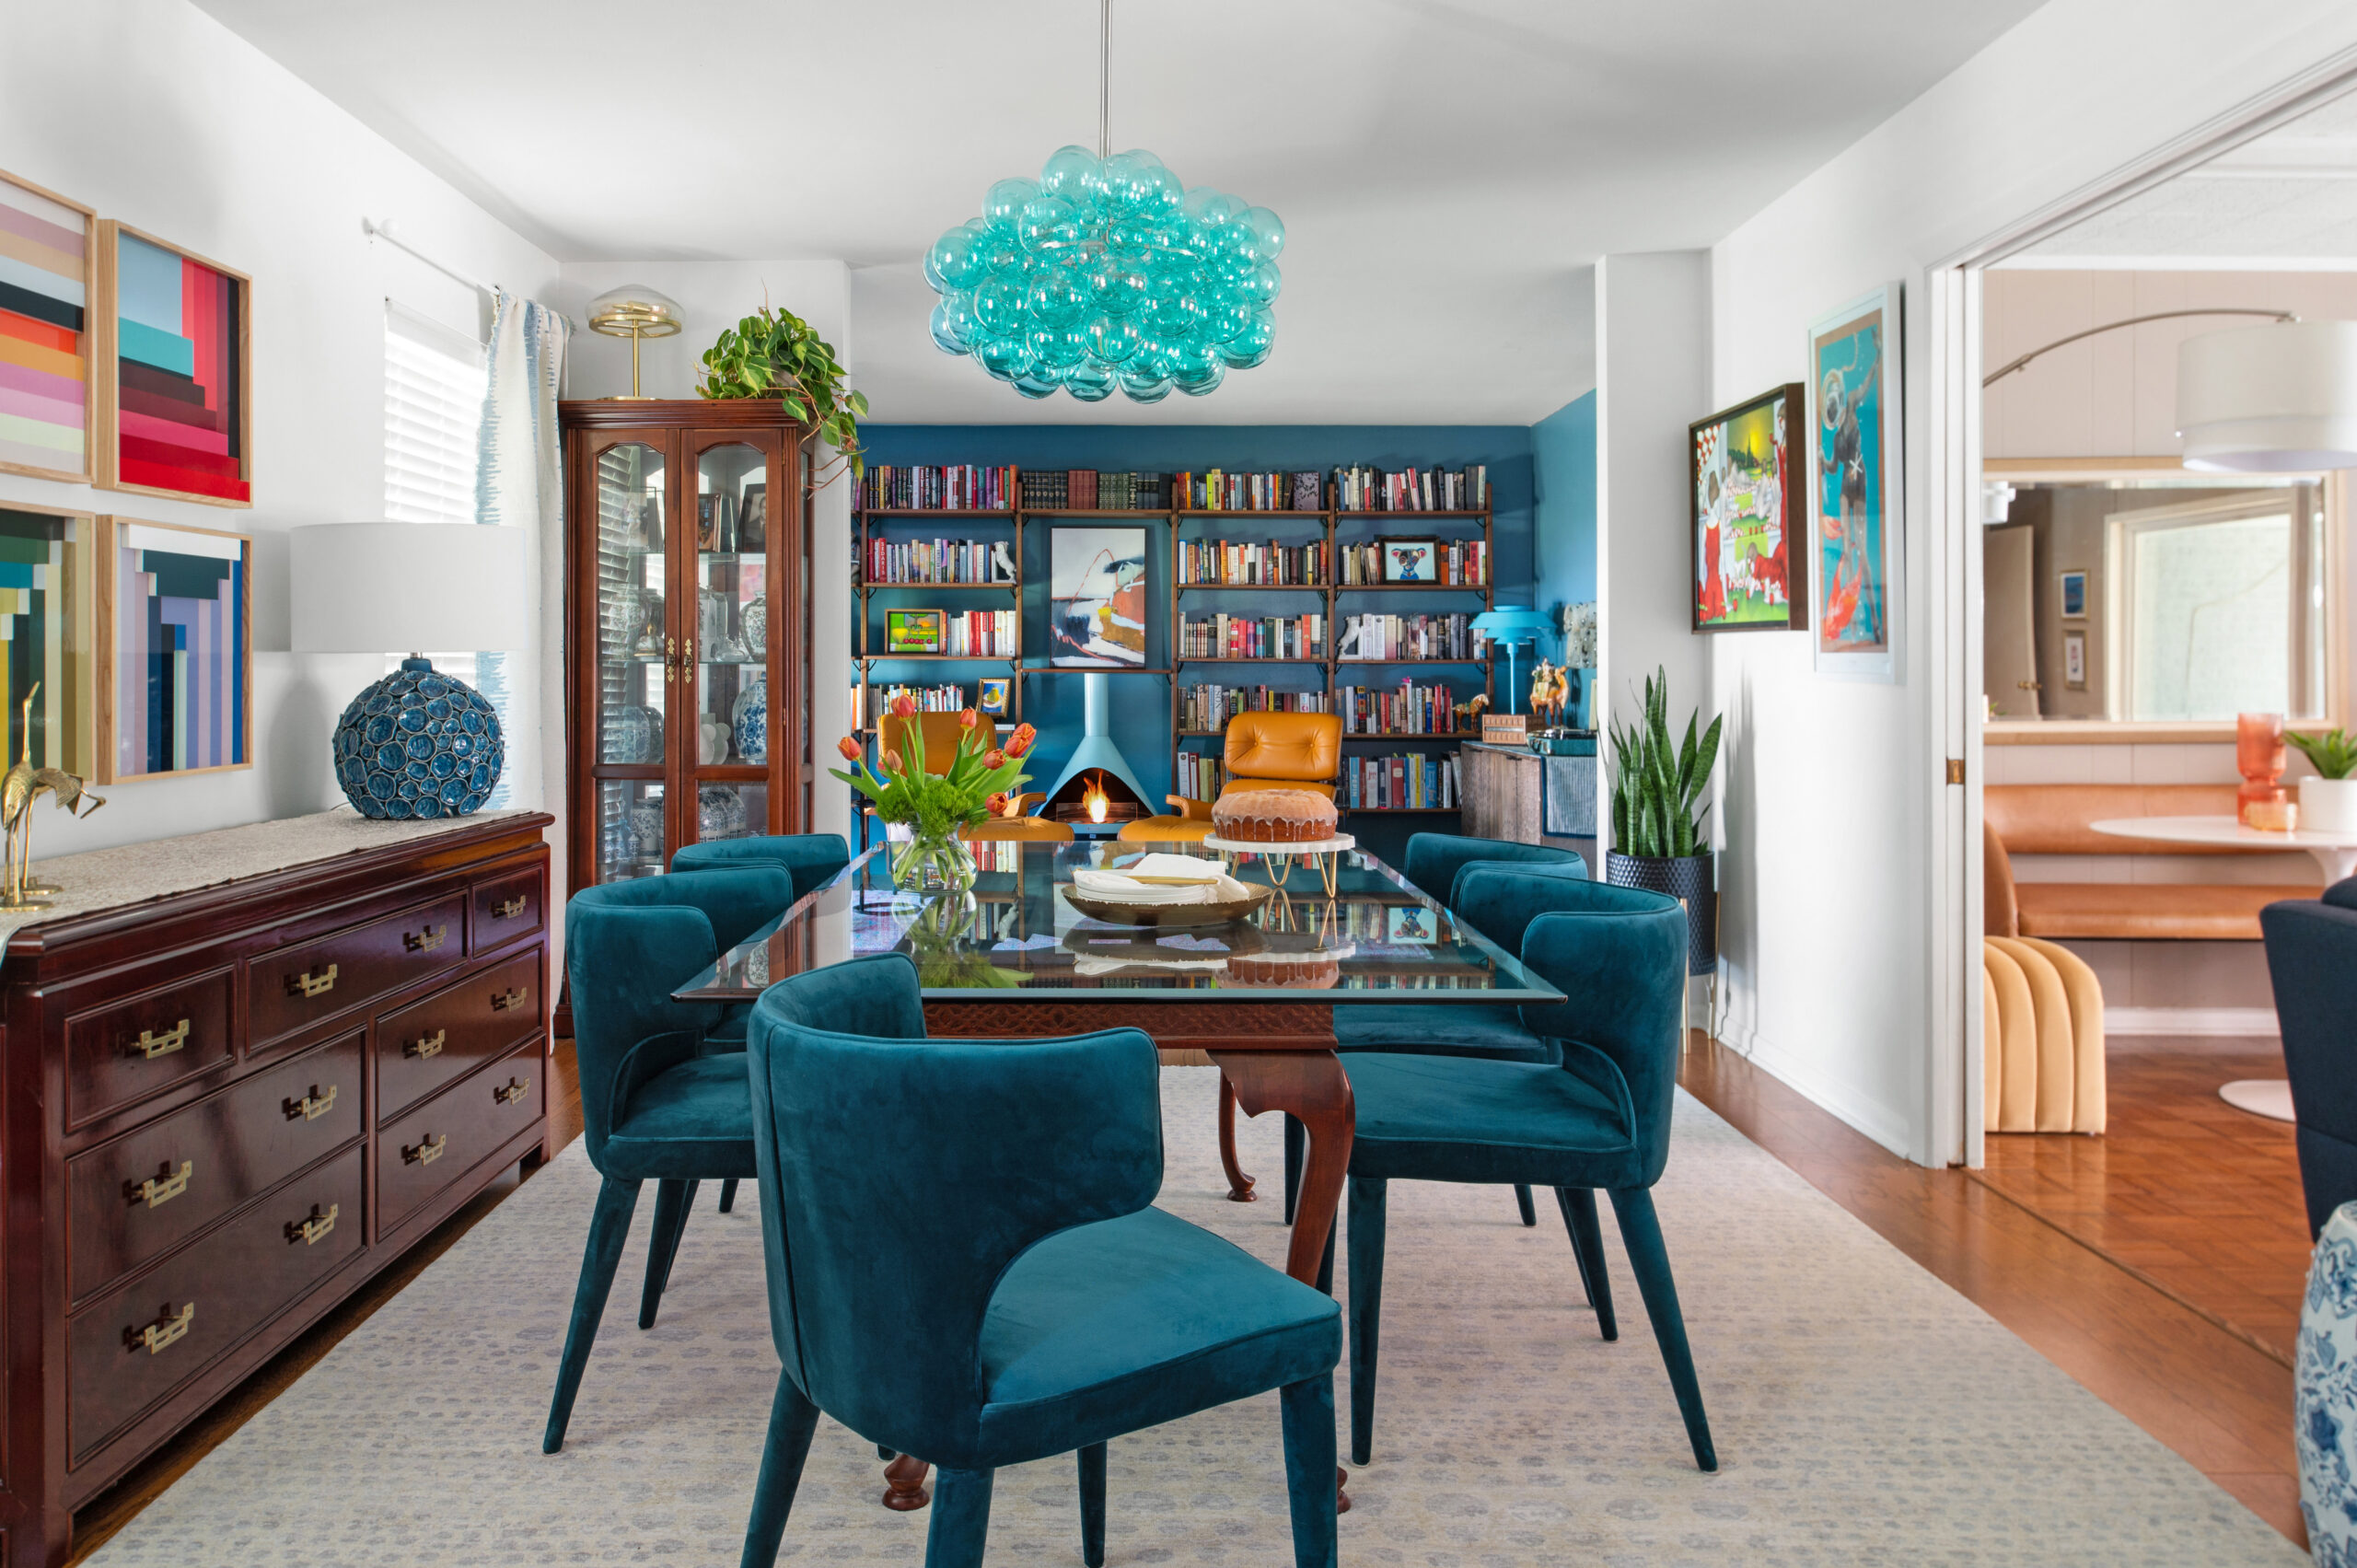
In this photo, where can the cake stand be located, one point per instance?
(1326, 854)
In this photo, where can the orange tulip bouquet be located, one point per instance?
(935, 807)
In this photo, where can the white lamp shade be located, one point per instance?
(2270, 400)
(408, 587)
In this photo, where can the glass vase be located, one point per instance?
(931, 861)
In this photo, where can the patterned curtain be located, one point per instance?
(520, 485)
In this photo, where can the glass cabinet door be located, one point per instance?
(732, 651)
(634, 674)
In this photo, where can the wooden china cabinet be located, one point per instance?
(687, 615)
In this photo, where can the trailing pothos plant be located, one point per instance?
(1655, 785)
(774, 354)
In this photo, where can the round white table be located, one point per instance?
(2335, 851)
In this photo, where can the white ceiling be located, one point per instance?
(1448, 170)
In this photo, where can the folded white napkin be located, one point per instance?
(1163, 885)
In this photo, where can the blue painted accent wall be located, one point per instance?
(1562, 447)
(1141, 704)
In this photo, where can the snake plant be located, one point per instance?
(1656, 786)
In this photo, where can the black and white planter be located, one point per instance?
(1688, 879)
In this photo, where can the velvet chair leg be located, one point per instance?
(1522, 1201)
(887, 1455)
(609, 1228)
(1308, 1416)
(961, 1519)
(1296, 1147)
(729, 1195)
(1369, 1197)
(1578, 1204)
(673, 1198)
(1092, 1506)
(793, 1418)
(1649, 1260)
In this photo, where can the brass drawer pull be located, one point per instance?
(309, 1231)
(516, 1090)
(169, 1327)
(150, 1045)
(424, 941)
(308, 985)
(426, 1046)
(512, 908)
(158, 1191)
(313, 1106)
(425, 1153)
(503, 1000)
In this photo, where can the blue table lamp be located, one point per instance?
(1509, 625)
(416, 743)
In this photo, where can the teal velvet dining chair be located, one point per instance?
(964, 1263)
(1435, 863)
(811, 859)
(1599, 1118)
(659, 1103)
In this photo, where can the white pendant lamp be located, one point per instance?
(2270, 400)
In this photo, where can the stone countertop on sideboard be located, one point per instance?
(100, 880)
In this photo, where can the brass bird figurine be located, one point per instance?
(23, 784)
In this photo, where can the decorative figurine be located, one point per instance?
(1549, 689)
(23, 784)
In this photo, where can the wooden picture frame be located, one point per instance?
(168, 712)
(1747, 530)
(1857, 487)
(994, 695)
(914, 631)
(48, 586)
(183, 411)
(1399, 554)
(47, 287)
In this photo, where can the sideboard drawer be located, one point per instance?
(305, 982)
(446, 1137)
(138, 1196)
(128, 1050)
(456, 1029)
(130, 1348)
(506, 909)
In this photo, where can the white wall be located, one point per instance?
(153, 114)
(712, 295)
(1829, 786)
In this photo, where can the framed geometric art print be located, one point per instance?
(174, 372)
(48, 276)
(1856, 496)
(47, 611)
(176, 650)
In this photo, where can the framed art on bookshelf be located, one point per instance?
(914, 631)
(173, 352)
(48, 276)
(1097, 597)
(994, 695)
(47, 609)
(174, 640)
(1411, 561)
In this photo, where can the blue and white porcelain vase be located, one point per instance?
(2325, 1401)
(418, 744)
(751, 718)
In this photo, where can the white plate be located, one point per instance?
(1319, 846)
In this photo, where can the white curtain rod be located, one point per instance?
(382, 228)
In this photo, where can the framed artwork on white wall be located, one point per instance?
(1857, 492)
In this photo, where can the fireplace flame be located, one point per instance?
(1095, 799)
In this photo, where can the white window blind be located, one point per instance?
(433, 393)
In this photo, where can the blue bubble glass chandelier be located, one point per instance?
(1108, 271)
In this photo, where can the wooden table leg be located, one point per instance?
(1311, 1087)
(904, 1488)
(1239, 1186)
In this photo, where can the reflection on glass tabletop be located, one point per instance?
(1018, 938)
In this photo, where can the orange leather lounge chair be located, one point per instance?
(1264, 751)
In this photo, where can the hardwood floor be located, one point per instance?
(2206, 1390)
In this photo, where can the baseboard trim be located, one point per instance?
(1875, 1122)
(2190, 1021)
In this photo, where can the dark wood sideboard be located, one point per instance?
(222, 1110)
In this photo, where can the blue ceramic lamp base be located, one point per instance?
(418, 744)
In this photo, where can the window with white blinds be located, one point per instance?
(433, 393)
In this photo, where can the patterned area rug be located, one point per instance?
(1865, 1413)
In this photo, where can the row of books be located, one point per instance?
(1413, 490)
(1248, 637)
(1449, 563)
(929, 562)
(1401, 783)
(1199, 774)
(1253, 565)
(948, 699)
(1216, 491)
(1092, 490)
(960, 633)
(1406, 709)
(937, 488)
(1209, 707)
(1377, 638)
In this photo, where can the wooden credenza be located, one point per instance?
(224, 1104)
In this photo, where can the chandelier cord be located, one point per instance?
(1103, 76)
